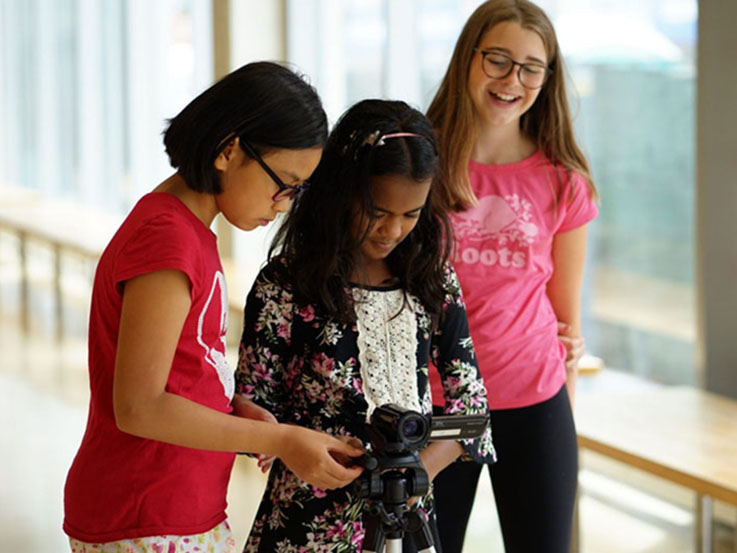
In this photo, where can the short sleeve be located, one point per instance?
(578, 207)
(163, 242)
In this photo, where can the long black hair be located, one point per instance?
(316, 241)
(265, 104)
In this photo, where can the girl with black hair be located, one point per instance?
(356, 300)
(152, 471)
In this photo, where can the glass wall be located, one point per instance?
(632, 73)
(87, 87)
(86, 90)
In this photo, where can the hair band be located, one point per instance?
(377, 139)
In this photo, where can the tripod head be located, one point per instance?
(388, 482)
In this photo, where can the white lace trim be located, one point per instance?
(387, 348)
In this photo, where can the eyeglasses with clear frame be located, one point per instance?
(284, 191)
(498, 66)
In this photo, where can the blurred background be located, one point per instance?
(86, 87)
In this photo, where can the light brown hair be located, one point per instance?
(547, 123)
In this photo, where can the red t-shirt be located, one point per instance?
(504, 262)
(121, 486)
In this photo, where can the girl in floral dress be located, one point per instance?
(356, 301)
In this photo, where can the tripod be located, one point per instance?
(394, 473)
(388, 482)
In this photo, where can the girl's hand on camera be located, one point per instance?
(312, 455)
(344, 459)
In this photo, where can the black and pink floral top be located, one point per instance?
(307, 370)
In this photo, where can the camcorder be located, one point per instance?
(393, 472)
(394, 429)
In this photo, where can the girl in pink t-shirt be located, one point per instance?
(152, 471)
(521, 195)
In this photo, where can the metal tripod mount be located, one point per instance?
(388, 481)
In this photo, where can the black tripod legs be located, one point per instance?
(377, 537)
(419, 529)
(373, 541)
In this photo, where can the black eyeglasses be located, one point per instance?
(499, 66)
(285, 191)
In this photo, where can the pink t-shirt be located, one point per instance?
(503, 261)
(121, 486)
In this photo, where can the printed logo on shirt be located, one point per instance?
(506, 221)
(215, 313)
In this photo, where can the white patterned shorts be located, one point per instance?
(218, 540)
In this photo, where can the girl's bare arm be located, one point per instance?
(155, 306)
(564, 288)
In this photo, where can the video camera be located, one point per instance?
(394, 429)
(394, 472)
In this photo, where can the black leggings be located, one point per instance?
(534, 480)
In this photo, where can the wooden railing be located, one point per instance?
(69, 229)
(682, 434)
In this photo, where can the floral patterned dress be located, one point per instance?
(308, 371)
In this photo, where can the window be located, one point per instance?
(632, 70)
(87, 88)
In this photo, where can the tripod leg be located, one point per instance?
(419, 529)
(373, 541)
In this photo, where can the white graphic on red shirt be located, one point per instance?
(215, 312)
(507, 219)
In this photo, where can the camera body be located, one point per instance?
(394, 429)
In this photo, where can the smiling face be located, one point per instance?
(398, 201)
(247, 190)
(502, 102)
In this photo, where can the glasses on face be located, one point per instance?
(499, 66)
(284, 191)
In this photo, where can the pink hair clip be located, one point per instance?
(377, 139)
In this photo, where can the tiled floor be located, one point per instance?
(42, 417)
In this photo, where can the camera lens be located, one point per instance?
(411, 428)
(394, 428)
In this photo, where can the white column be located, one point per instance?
(147, 44)
(257, 31)
(402, 62)
(316, 46)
